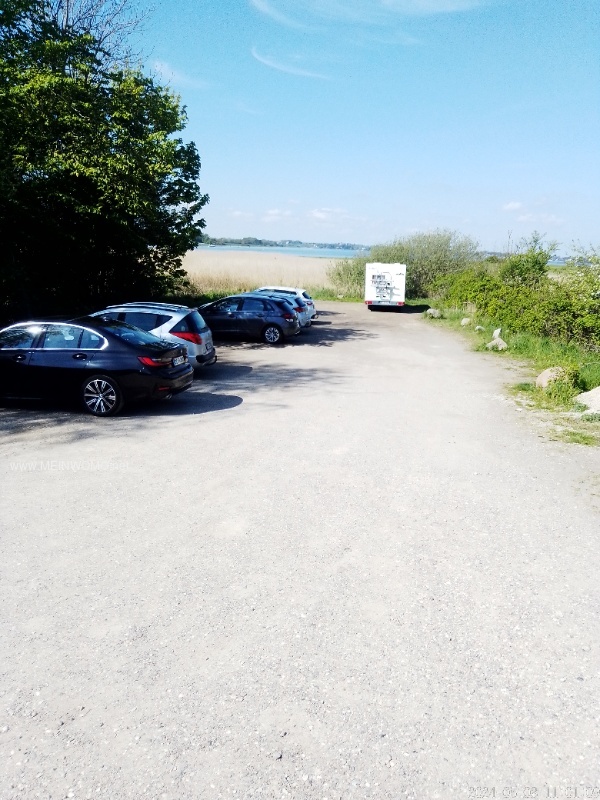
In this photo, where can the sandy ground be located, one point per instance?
(345, 568)
(258, 267)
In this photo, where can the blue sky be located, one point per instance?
(365, 120)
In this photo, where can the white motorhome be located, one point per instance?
(385, 285)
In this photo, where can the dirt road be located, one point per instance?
(344, 568)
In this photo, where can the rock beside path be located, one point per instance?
(550, 375)
(497, 344)
(590, 399)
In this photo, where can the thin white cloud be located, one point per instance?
(297, 13)
(418, 7)
(514, 205)
(173, 76)
(544, 219)
(270, 11)
(328, 216)
(241, 214)
(288, 68)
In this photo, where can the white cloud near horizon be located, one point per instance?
(173, 76)
(241, 214)
(326, 214)
(294, 13)
(545, 219)
(288, 68)
(276, 214)
(537, 218)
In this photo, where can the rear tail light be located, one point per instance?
(298, 309)
(289, 317)
(155, 362)
(195, 338)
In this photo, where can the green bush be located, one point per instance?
(426, 255)
(529, 265)
(348, 276)
(566, 310)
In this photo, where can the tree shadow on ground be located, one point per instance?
(321, 333)
(57, 423)
(66, 421)
(63, 422)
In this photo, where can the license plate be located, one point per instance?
(179, 360)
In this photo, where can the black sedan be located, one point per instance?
(105, 363)
(251, 316)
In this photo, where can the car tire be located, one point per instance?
(272, 334)
(101, 396)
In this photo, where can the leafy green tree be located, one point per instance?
(99, 197)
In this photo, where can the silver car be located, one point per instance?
(290, 290)
(172, 322)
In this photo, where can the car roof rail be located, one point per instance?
(142, 304)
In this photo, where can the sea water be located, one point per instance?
(312, 252)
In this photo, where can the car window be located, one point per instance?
(253, 305)
(306, 296)
(229, 304)
(109, 315)
(61, 337)
(191, 323)
(284, 306)
(91, 340)
(123, 330)
(145, 320)
(18, 338)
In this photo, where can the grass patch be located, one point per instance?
(558, 397)
(578, 437)
(590, 418)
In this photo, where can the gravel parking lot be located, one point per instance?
(348, 567)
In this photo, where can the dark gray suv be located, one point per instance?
(252, 316)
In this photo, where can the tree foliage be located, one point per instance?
(99, 197)
(523, 298)
(529, 265)
(427, 255)
(108, 22)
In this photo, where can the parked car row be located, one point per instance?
(139, 350)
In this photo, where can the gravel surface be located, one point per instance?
(348, 567)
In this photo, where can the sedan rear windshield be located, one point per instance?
(128, 333)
